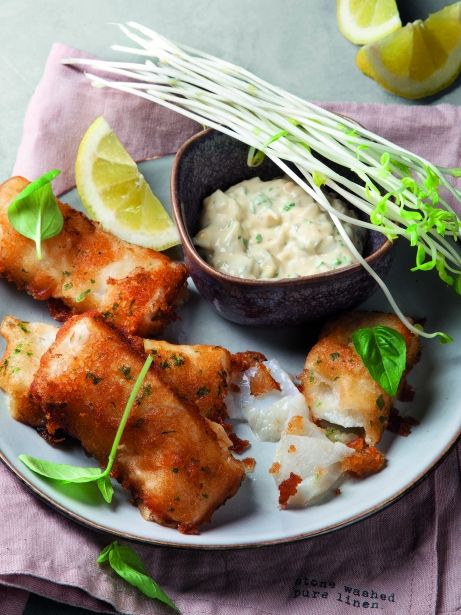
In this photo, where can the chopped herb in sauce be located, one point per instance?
(261, 232)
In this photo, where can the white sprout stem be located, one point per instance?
(116, 68)
(358, 189)
(232, 100)
(330, 210)
(131, 74)
(153, 43)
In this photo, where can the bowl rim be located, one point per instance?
(191, 252)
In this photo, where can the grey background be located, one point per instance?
(293, 43)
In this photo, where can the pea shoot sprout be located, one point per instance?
(400, 193)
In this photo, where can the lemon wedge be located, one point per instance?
(366, 21)
(418, 60)
(115, 193)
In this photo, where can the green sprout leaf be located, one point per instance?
(444, 338)
(35, 213)
(383, 352)
(75, 474)
(304, 134)
(319, 179)
(457, 285)
(128, 565)
(255, 157)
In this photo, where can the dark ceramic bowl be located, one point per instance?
(211, 160)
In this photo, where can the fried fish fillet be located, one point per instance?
(85, 268)
(26, 343)
(175, 465)
(199, 374)
(337, 385)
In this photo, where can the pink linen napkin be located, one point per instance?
(402, 561)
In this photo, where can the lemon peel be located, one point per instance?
(418, 60)
(366, 21)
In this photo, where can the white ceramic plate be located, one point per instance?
(252, 517)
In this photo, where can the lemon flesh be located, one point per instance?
(366, 21)
(114, 192)
(420, 59)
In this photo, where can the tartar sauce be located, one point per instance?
(272, 230)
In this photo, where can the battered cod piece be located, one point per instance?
(85, 268)
(337, 385)
(26, 343)
(199, 374)
(175, 465)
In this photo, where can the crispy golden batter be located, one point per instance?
(262, 381)
(241, 361)
(25, 345)
(198, 374)
(365, 461)
(337, 385)
(86, 268)
(178, 470)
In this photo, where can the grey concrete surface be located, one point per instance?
(293, 43)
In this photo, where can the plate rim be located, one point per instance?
(76, 517)
(369, 512)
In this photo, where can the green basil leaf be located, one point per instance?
(35, 212)
(104, 555)
(61, 471)
(128, 565)
(384, 353)
(105, 487)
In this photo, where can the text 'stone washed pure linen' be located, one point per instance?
(402, 561)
